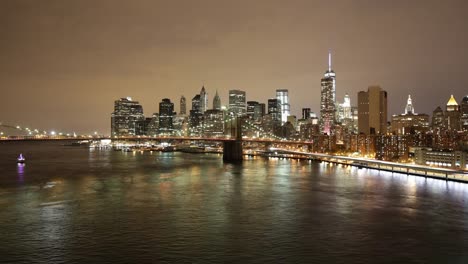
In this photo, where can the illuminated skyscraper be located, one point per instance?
(259, 111)
(203, 100)
(237, 106)
(328, 100)
(183, 106)
(464, 113)
(409, 122)
(283, 98)
(452, 115)
(125, 117)
(216, 102)
(251, 109)
(274, 109)
(372, 111)
(166, 114)
(409, 109)
(438, 119)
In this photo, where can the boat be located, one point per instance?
(21, 159)
(168, 149)
(192, 149)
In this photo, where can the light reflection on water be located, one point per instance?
(79, 205)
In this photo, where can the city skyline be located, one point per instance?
(79, 62)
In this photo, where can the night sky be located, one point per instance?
(63, 63)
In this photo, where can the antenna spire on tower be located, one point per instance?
(329, 60)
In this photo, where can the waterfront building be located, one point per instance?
(251, 109)
(237, 106)
(141, 128)
(372, 111)
(409, 122)
(447, 159)
(283, 98)
(464, 113)
(183, 106)
(180, 124)
(153, 126)
(393, 147)
(203, 100)
(216, 102)
(213, 123)
(452, 115)
(166, 115)
(125, 116)
(307, 128)
(328, 100)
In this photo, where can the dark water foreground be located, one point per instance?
(73, 205)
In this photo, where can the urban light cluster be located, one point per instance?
(340, 128)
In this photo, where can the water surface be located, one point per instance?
(75, 205)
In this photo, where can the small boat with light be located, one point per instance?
(21, 159)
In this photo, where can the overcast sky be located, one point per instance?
(63, 63)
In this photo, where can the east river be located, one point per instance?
(79, 205)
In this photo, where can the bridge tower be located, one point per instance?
(232, 149)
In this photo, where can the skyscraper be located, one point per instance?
(305, 113)
(283, 98)
(196, 115)
(409, 122)
(166, 114)
(183, 106)
(203, 100)
(216, 102)
(274, 109)
(409, 109)
(438, 119)
(452, 114)
(328, 100)
(372, 111)
(251, 108)
(464, 113)
(259, 111)
(125, 117)
(237, 105)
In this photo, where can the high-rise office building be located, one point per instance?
(372, 111)
(125, 117)
(214, 123)
(409, 122)
(438, 119)
(452, 115)
(305, 113)
(183, 106)
(203, 100)
(328, 100)
(237, 106)
(196, 104)
(464, 113)
(274, 109)
(409, 109)
(216, 102)
(343, 111)
(166, 115)
(196, 115)
(251, 109)
(259, 112)
(283, 98)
